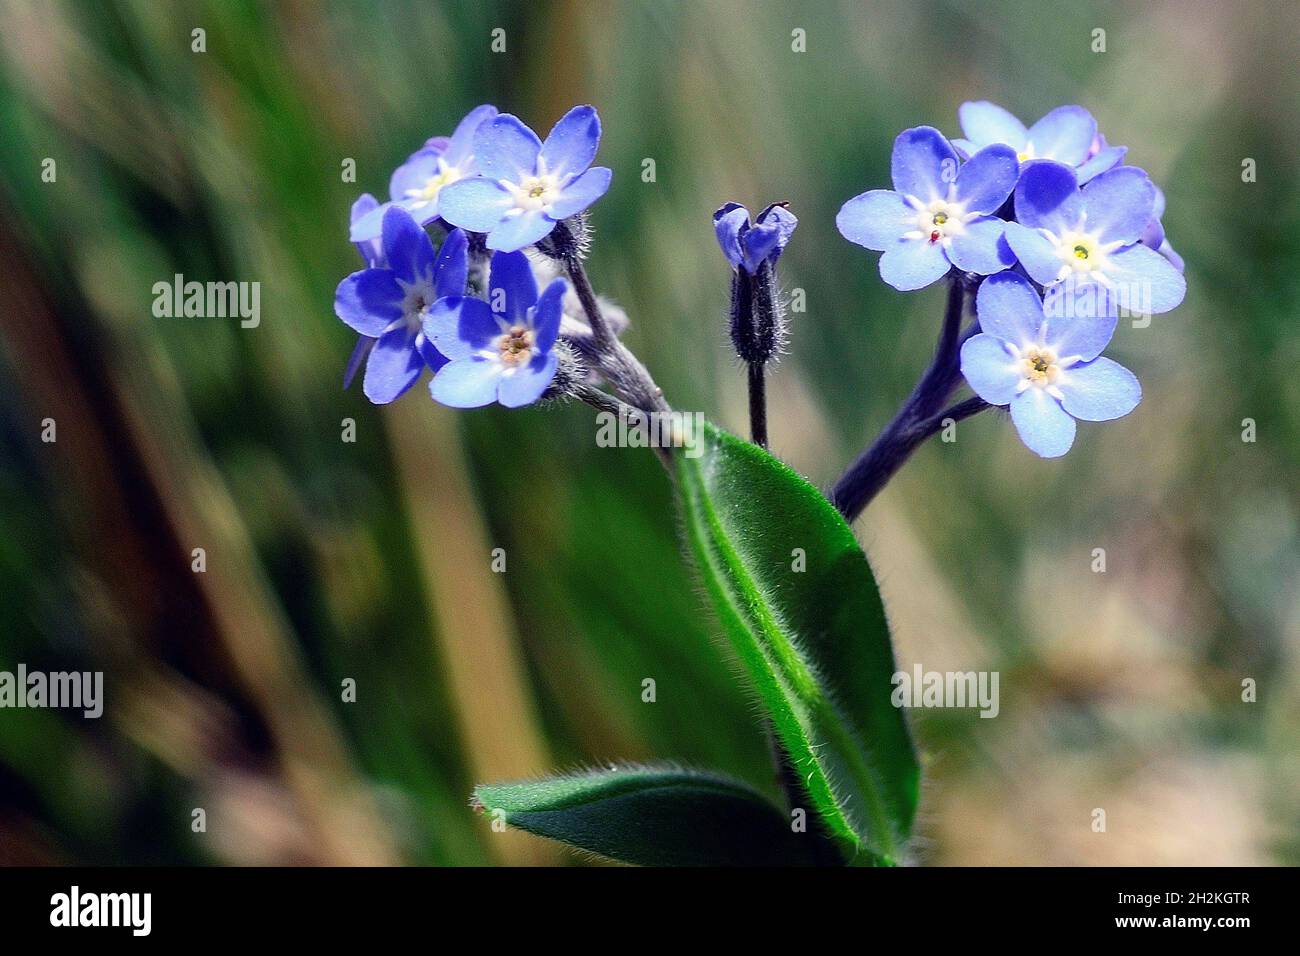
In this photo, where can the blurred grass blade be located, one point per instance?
(799, 603)
(652, 816)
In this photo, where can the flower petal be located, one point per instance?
(474, 204)
(406, 246)
(393, 367)
(1065, 135)
(1145, 282)
(875, 219)
(365, 225)
(990, 370)
(1035, 252)
(911, 264)
(506, 148)
(1009, 309)
(985, 182)
(460, 147)
(364, 344)
(581, 193)
(1048, 197)
(1099, 391)
(729, 222)
(785, 221)
(517, 232)
(547, 314)
(1119, 204)
(923, 163)
(527, 384)
(1079, 319)
(369, 301)
(1106, 158)
(467, 383)
(451, 270)
(759, 242)
(1043, 425)
(982, 248)
(985, 123)
(459, 326)
(419, 168)
(572, 143)
(512, 290)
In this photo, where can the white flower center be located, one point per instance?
(939, 220)
(1082, 254)
(533, 193)
(1040, 367)
(445, 176)
(417, 297)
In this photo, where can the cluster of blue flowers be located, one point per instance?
(492, 185)
(1057, 233)
(1068, 236)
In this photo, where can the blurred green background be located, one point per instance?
(371, 560)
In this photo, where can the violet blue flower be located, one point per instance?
(1068, 134)
(748, 245)
(1090, 235)
(1044, 361)
(506, 355)
(388, 302)
(527, 186)
(937, 215)
(417, 184)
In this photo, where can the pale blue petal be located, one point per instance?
(517, 232)
(1082, 335)
(1099, 391)
(985, 123)
(1145, 281)
(990, 370)
(965, 148)
(474, 204)
(467, 383)
(1108, 157)
(527, 384)
(985, 182)
(875, 219)
(581, 193)
(506, 149)
(572, 143)
(1119, 204)
(1035, 252)
(1065, 134)
(460, 148)
(923, 164)
(981, 248)
(1043, 425)
(393, 367)
(911, 264)
(419, 168)
(1009, 309)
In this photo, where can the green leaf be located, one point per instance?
(814, 643)
(653, 816)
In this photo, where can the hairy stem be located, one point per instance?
(620, 367)
(758, 404)
(917, 419)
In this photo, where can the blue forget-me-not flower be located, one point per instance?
(502, 350)
(388, 302)
(1068, 134)
(526, 186)
(1044, 362)
(938, 214)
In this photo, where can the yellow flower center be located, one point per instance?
(1040, 366)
